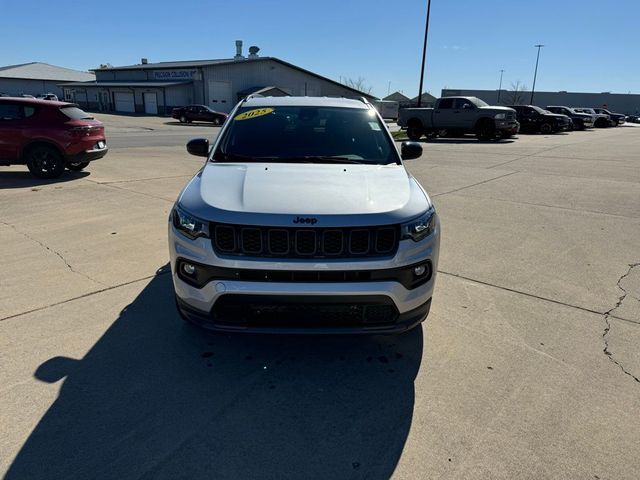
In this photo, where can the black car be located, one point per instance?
(198, 113)
(580, 120)
(535, 119)
(617, 118)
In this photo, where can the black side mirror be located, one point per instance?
(410, 150)
(198, 147)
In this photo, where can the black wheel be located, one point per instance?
(44, 162)
(546, 128)
(414, 131)
(601, 123)
(183, 119)
(486, 130)
(76, 167)
(216, 121)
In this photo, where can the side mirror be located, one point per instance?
(466, 106)
(410, 150)
(198, 147)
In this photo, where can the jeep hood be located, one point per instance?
(276, 193)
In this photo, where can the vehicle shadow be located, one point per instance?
(155, 398)
(24, 179)
(194, 124)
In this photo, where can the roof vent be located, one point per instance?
(238, 50)
(253, 51)
(144, 61)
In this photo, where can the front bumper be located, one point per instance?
(403, 322)
(509, 127)
(264, 285)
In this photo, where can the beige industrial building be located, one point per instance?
(156, 88)
(36, 78)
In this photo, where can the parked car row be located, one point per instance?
(456, 116)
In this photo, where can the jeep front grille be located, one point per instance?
(283, 242)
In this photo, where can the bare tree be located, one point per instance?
(516, 95)
(359, 84)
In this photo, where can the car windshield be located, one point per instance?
(74, 113)
(538, 109)
(306, 134)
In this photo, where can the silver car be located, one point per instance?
(303, 219)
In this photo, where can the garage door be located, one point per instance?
(150, 103)
(220, 96)
(124, 102)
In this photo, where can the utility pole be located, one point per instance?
(500, 87)
(389, 88)
(535, 73)
(424, 52)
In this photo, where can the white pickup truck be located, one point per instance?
(459, 115)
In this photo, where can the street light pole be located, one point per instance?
(424, 52)
(535, 74)
(500, 87)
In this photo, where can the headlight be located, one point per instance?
(189, 225)
(421, 227)
(500, 116)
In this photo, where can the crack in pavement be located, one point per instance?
(607, 328)
(474, 185)
(55, 252)
(526, 156)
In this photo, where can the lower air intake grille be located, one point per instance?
(293, 311)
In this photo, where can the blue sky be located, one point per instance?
(590, 45)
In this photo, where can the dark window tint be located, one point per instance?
(290, 133)
(446, 103)
(461, 102)
(74, 113)
(10, 111)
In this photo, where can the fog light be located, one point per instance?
(188, 268)
(419, 270)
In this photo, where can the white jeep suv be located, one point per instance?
(304, 220)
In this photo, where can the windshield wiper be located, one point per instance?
(297, 159)
(225, 157)
(327, 158)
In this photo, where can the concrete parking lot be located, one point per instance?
(527, 367)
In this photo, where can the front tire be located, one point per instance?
(44, 162)
(183, 119)
(216, 121)
(486, 130)
(546, 128)
(77, 167)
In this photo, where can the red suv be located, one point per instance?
(48, 136)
